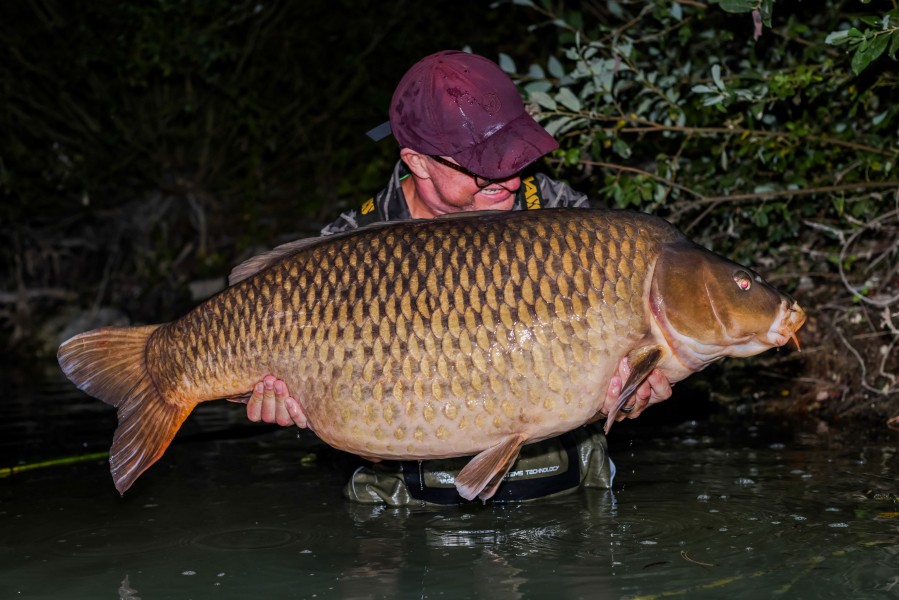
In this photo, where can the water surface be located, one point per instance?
(707, 507)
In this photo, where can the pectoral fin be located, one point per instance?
(483, 474)
(642, 361)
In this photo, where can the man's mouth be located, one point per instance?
(498, 190)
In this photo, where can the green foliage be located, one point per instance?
(869, 44)
(758, 137)
(687, 117)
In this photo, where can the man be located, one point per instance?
(465, 138)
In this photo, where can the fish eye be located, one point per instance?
(743, 280)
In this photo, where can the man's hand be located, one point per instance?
(272, 403)
(655, 389)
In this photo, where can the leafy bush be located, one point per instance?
(761, 137)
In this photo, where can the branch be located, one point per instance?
(648, 126)
(652, 127)
(857, 293)
(637, 171)
(887, 391)
(715, 200)
(55, 293)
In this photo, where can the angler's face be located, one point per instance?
(445, 189)
(715, 307)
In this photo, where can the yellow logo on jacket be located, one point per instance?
(531, 193)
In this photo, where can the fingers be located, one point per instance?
(282, 416)
(661, 387)
(254, 404)
(271, 402)
(296, 413)
(287, 410)
(655, 389)
(614, 390)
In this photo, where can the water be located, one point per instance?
(711, 508)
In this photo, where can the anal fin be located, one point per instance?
(483, 474)
(642, 361)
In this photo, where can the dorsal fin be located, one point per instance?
(260, 262)
(467, 214)
(257, 263)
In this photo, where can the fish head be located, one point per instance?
(709, 307)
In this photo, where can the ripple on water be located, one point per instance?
(519, 530)
(247, 539)
(712, 527)
(130, 540)
(119, 540)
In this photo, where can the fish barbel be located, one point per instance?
(467, 335)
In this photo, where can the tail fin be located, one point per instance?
(110, 364)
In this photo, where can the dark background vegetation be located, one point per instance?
(148, 147)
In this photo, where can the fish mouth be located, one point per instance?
(785, 328)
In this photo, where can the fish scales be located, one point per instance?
(397, 343)
(443, 337)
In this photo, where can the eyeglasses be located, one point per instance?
(479, 181)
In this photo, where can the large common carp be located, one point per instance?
(446, 337)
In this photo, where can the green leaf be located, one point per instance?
(572, 156)
(506, 63)
(864, 56)
(713, 100)
(541, 85)
(621, 148)
(543, 99)
(566, 98)
(894, 43)
(555, 67)
(739, 6)
(536, 72)
(835, 38)
(716, 77)
(870, 20)
(766, 8)
(553, 127)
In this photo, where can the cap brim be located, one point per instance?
(509, 150)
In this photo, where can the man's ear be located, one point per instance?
(418, 163)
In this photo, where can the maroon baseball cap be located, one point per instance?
(464, 106)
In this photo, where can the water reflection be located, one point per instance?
(707, 509)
